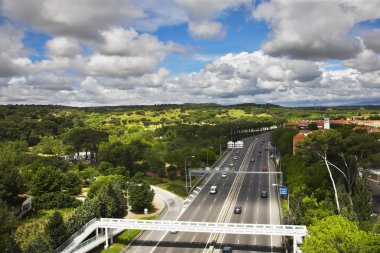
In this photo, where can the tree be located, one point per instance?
(337, 234)
(112, 202)
(72, 183)
(45, 180)
(39, 245)
(140, 196)
(103, 181)
(55, 230)
(8, 225)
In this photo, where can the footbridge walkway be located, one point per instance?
(104, 229)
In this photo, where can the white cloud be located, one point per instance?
(366, 61)
(206, 29)
(202, 15)
(370, 80)
(120, 41)
(299, 31)
(64, 47)
(233, 75)
(371, 39)
(79, 19)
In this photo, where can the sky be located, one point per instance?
(143, 52)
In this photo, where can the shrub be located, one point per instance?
(52, 200)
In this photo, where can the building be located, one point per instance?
(300, 137)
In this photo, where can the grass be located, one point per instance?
(176, 186)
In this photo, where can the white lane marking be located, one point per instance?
(247, 198)
(198, 188)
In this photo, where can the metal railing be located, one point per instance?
(89, 241)
(72, 238)
(205, 227)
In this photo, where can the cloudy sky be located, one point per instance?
(128, 52)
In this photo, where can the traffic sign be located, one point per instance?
(283, 191)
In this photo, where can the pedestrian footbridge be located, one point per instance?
(104, 229)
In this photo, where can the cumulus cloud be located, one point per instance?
(371, 39)
(366, 61)
(202, 13)
(79, 19)
(299, 31)
(120, 41)
(61, 46)
(246, 73)
(370, 80)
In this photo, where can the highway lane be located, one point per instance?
(256, 209)
(205, 207)
(193, 211)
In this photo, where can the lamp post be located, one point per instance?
(186, 169)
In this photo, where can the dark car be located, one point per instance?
(227, 249)
(237, 210)
(264, 194)
(264, 169)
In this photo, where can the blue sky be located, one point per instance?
(126, 52)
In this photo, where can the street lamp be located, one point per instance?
(280, 185)
(186, 169)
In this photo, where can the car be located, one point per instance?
(253, 159)
(264, 169)
(259, 150)
(237, 210)
(173, 232)
(235, 157)
(264, 194)
(224, 175)
(227, 249)
(213, 189)
(231, 164)
(266, 148)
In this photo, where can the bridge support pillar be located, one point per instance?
(106, 245)
(111, 230)
(294, 244)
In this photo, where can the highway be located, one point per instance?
(234, 190)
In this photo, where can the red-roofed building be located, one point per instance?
(300, 137)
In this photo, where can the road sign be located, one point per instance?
(283, 191)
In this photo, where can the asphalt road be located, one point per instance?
(234, 190)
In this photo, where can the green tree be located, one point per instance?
(338, 234)
(103, 181)
(45, 180)
(55, 230)
(72, 183)
(140, 196)
(8, 225)
(112, 202)
(39, 245)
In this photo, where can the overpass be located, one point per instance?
(106, 228)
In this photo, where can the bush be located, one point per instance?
(55, 200)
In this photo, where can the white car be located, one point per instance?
(224, 175)
(235, 157)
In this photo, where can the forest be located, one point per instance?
(58, 154)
